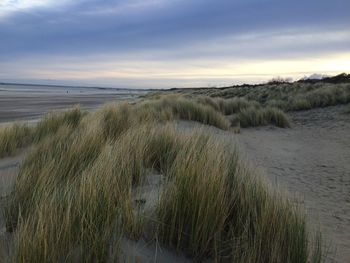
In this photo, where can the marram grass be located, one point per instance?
(179, 107)
(215, 207)
(73, 198)
(21, 135)
(214, 111)
(51, 122)
(14, 137)
(285, 96)
(117, 118)
(252, 117)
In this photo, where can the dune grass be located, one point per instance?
(232, 214)
(61, 199)
(14, 137)
(252, 117)
(227, 106)
(21, 135)
(115, 119)
(160, 108)
(51, 122)
(212, 111)
(285, 96)
(73, 199)
(179, 107)
(247, 113)
(235, 105)
(321, 97)
(265, 104)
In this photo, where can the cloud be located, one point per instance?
(10, 7)
(167, 32)
(17, 4)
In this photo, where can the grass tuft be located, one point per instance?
(51, 122)
(215, 207)
(14, 137)
(116, 119)
(22, 135)
(177, 107)
(252, 117)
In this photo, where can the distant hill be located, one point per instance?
(312, 79)
(316, 76)
(341, 78)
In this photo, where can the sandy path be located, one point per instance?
(311, 161)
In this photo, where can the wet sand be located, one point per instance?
(28, 103)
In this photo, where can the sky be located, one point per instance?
(171, 43)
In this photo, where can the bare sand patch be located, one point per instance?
(8, 171)
(146, 198)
